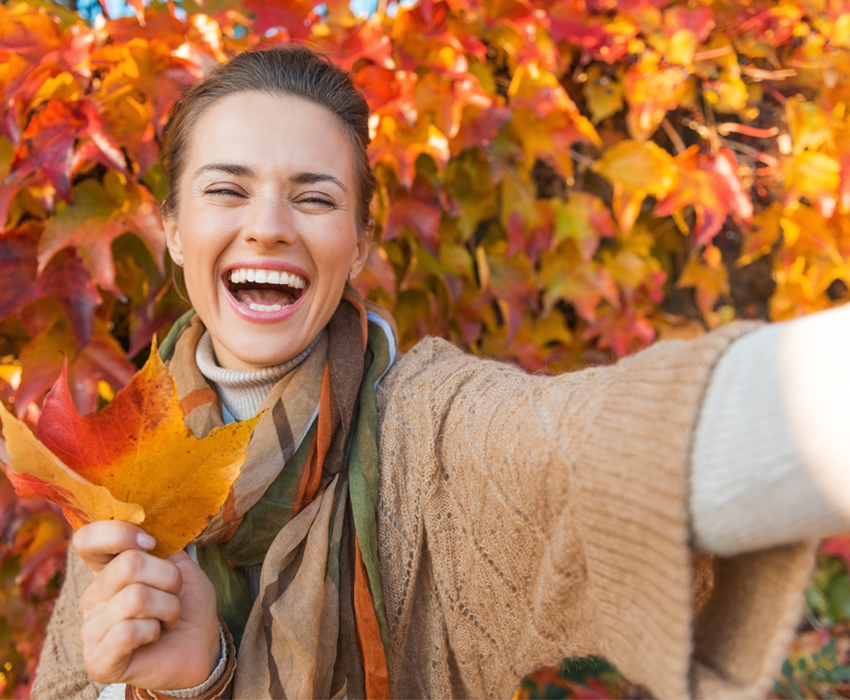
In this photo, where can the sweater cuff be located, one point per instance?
(214, 678)
(635, 503)
(116, 691)
(750, 489)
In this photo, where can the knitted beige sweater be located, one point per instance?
(523, 519)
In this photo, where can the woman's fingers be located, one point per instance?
(97, 543)
(135, 602)
(128, 568)
(107, 661)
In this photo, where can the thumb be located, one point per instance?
(98, 543)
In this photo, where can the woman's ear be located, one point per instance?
(359, 256)
(172, 239)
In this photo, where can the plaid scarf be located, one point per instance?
(303, 506)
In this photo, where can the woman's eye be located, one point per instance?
(320, 202)
(223, 191)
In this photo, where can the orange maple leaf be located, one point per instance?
(134, 461)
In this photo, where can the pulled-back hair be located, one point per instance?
(294, 71)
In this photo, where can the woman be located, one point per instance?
(436, 525)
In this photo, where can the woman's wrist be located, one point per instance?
(223, 668)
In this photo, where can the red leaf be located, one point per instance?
(591, 35)
(42, 359)
(48, 145)
(698, 20)
(296, 16)
(365, 40)
(378, 274)
(838, 547)
(422, 213)
(709, 184)
(32, 487)
(623, 331)
(102, 359)
(65, 280)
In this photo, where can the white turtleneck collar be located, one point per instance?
(243, 392)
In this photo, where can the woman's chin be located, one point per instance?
(249, 360)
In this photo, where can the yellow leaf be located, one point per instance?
(59, 87)
(636, 170)
(603, 92)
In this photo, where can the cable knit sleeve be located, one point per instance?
(60, 672)
(526, 518)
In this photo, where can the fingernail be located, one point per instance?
(145, 541)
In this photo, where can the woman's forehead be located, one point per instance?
(270, 132)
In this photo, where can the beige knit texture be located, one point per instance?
(526, 518)
(60, 672)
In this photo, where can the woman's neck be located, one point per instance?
(243, 392)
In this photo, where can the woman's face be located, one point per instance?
(266, 225)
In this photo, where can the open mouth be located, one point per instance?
(265, 290)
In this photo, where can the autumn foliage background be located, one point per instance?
(560, 183)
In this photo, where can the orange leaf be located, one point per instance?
(133, 461)
(651, 91)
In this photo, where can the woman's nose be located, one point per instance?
(270, 221)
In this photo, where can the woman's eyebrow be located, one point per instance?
(229, 168)
(306, 178)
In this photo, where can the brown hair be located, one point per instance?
(291, 70)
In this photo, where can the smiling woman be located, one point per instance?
(436, 524)
(264, 190)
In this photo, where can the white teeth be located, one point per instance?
(263, 307)
(248, 274)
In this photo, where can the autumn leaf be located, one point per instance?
(100, 214)
(47, 145)
(295, 17)
(636, 170)
(709, 184)
(135, 460)
(815, 176)
(40, 474)
(708, 276)
(651, 91)
(838, 546)
(65, 280)
(585, 220)
(603, 92)
(398, 145)
(420, 210)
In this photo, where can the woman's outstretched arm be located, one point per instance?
(770, 463)
(528, 518)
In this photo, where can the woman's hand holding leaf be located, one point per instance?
(147, 621)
